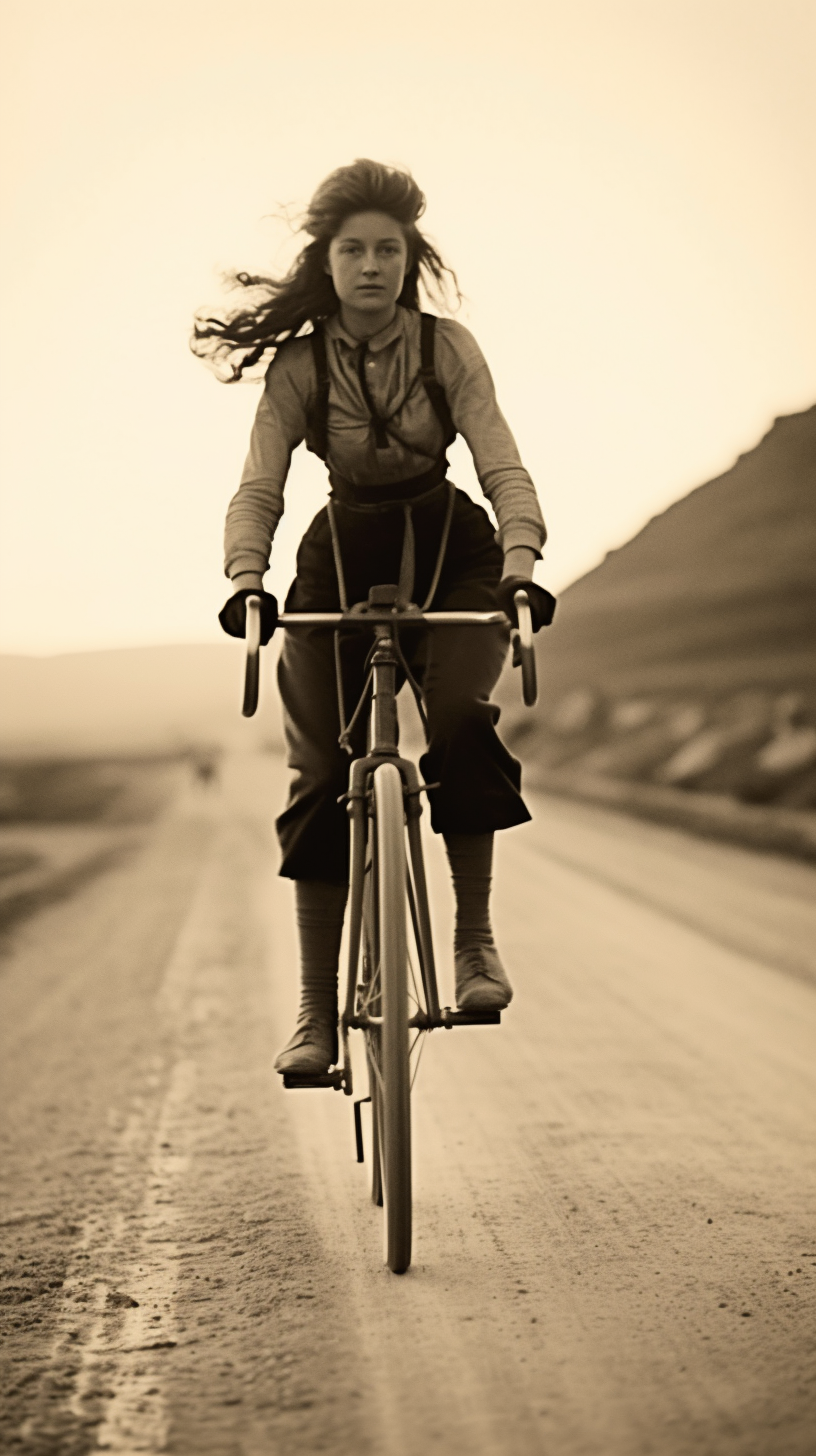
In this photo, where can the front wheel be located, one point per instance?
(395, 1104)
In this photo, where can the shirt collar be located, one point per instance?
(392, 331)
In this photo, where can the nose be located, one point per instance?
(371, 264)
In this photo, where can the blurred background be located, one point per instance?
(625, 190)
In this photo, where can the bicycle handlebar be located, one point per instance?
(406, 619)
(523, 635)
(252, 670)
(526, 649)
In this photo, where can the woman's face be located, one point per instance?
(367, 261)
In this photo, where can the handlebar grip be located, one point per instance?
(526, 650)
(252, 669)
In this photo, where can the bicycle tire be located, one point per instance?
(394, 1106)
(376, 1138)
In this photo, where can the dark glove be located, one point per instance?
(233, 614)
(542, 603)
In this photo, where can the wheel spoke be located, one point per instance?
(372, 990)
(421, 1038)
(373, 1053)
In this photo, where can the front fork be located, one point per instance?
(358, 800)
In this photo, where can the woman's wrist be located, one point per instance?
(519, 561)
(247, 581)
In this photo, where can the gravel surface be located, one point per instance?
(614, 1204)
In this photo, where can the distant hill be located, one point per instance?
(130, 700)
(703, 624)
(720, 589)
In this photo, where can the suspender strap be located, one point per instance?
(338, 557)
(443, 547)
(320, 419)
(433, 388)
(407, 571)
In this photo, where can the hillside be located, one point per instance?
(688, 656)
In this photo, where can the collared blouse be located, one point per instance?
(414, 432)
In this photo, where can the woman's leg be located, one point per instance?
(479, 779)
(479, 792)
(313, 828)
(313, 832)
(320, 909)
(470, 857)
(481, 981)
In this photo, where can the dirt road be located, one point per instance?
(615, 1243)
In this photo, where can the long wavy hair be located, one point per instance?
(274, 310)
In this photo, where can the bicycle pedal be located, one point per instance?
(322, 1079)
(469, 1018)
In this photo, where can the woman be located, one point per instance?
(379, 391)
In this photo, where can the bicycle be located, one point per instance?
(391, 990)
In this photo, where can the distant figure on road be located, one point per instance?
(379, 391)
(205, 769)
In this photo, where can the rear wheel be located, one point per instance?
(392, 1110)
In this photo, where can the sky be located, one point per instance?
(625, 188)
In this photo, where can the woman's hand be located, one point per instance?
(542, 603)
(233, 614)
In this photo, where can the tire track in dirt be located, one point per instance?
(196, 1298)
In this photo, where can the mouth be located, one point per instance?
(369, 288)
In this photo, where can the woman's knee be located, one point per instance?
(316, 775)
(454, 718)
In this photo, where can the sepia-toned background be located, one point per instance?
(614, 1192)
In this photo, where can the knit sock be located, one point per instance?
(471, 859)
(320, 908)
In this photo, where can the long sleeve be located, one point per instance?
(414, 442)
(462, 369)
(280, 425)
